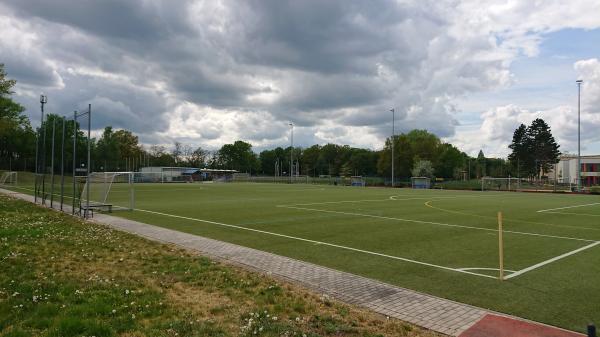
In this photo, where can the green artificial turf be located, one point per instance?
(416, 239)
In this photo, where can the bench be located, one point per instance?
(92, 207)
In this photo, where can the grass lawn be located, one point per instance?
(440, 242)
(62, 277)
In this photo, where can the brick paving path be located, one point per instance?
(441, 315)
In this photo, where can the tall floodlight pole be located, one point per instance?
(393, 141)
(291, 150)
(43, 100)
(42, 151)
(89, 160)
(579, 134)
(62, 164)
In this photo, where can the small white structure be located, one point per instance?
(565, 171)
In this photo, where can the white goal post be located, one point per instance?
(107, 191)
(420, 182)
(500, 184)
(245, 177)
(8, 178)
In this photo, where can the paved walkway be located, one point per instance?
(427, 311)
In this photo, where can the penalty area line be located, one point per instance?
(318, 243)
(554, 259)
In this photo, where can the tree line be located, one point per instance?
(417, 152)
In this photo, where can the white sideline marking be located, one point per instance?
(559, 208)
(543, 263)
(319, 243)
(437, 223)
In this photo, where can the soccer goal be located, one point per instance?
(420, 182)
(500, 184)
(8, 178)
(241, 177)
(107, 191)
(357, 181)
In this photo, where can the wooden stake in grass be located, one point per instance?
(500, 246)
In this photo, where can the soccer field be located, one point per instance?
(440, 242)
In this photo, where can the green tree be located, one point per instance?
(542, 146)
(423, 168)
(199, 158)
(310, 160)
(128, 144)
(17, 138)
(533, 149)
(481, 165)
(238, 156)
(520, 157)
(108, 150)
(449, 160)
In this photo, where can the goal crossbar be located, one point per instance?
(502, 184)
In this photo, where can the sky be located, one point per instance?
(206, 73)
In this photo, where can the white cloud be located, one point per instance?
(209, 72)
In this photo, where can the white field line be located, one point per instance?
(435, 223)
(559, 208)
(317, 242)
(390, 198)
(495, 269)
(543, 263)
(571, 213)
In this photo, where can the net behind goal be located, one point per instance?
(108, 191)
(420, 182)
(8, 178)
(500, 184)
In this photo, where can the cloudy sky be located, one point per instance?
(210, 72)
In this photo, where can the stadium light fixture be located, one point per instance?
(579, 82)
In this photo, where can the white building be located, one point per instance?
(566, 170)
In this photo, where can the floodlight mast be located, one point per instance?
(291, 151)
(393, 141)
(43, 100)
(579, 82)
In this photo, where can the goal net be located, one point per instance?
(500, 184)
(357, 181)
(241, 177)
(420, 182)
(8, 178)
(148, 177)
(108, 191)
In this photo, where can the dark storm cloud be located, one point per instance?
(310, 62)
(109, 18)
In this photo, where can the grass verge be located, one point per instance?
(64, 277)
